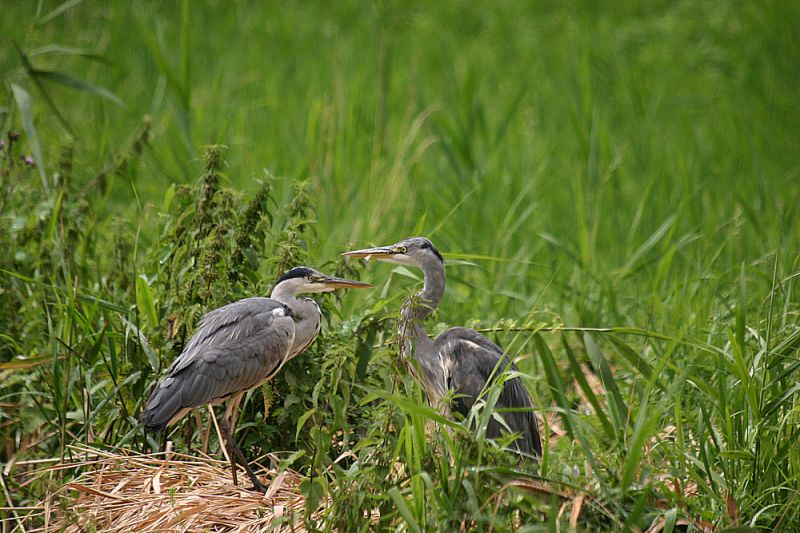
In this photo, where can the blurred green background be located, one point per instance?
(483, 127)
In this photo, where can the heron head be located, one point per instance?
(304, 280)
(413, 251)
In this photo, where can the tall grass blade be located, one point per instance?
(152, 358)
(557, 388)
(635, 448)
(175, 81)
(157, 53)
(115, 391)
(413, 408)
(577, 373)
(185, 50)
(23, 100)
(28, 67)
(58, 11)
(633, 356)
(61, 50)
(619, 409)
(74, 83)
(402, 508)
(634, 262)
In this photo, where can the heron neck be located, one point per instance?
(420, 305)
(429, 366)
(423, 303)
(284, 293)
(306, 315)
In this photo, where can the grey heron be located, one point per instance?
(238, 347)
(460, 360)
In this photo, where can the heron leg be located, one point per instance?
(228, 421)
(226, 432)
(229, 418)
(237, 456)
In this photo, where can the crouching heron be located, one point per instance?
(237, 348)
(460, 360)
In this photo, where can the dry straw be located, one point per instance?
(124, 491)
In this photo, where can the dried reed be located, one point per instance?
(124, 491)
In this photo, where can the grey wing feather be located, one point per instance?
(472, 366)
(235, 348)
(459, 333)
(231, 322)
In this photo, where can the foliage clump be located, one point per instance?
(97, 321)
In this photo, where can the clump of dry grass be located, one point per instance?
(125, 491)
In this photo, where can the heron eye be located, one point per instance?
(400, 249)
(314, 279)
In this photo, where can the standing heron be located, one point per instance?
(460, 360)
(238, 347)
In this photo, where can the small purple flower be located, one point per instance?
(29, 161)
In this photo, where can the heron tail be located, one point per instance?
(162, 407)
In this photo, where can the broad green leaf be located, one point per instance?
(314, 490)
(302, 421)
(670, 519)
(168, 196)
(145, 301)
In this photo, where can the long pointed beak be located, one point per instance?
(378, 252)
(341, 283)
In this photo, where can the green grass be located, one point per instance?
(615, 188)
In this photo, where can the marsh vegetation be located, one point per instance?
(614, 187)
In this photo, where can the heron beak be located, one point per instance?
(341, 283)
(379, 252)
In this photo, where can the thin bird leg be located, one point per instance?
(237, 456)
(229, 420)
(187, 434)
(226, 433)
(163, 440)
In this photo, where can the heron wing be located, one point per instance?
(235, 348)
(465, 334)
(228, 324)
(474, 365)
